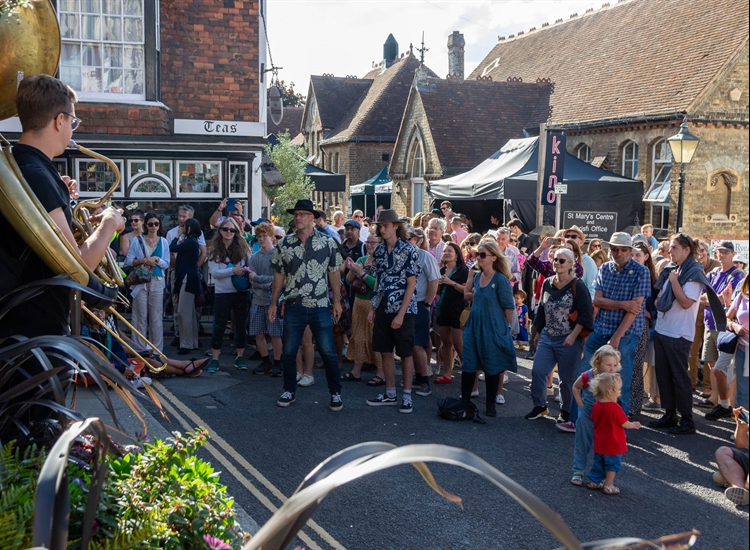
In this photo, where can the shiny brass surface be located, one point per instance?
(29, 44)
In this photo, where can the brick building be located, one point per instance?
(173, 92)
(451, 125)
(625, 75)
(350, 124)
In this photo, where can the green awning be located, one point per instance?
(379, 178)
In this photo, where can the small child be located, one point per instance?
(522, 340)
(610, 423)
(605, 359)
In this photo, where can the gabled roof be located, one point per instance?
(290, 121)
(377, 115)
(469, 120)
(334, 96)
(634, 58)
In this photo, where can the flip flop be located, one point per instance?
(376, 381)
(194, 369)
(443, 379)
(349, 377)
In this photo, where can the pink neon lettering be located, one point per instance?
(551, 197)
(554, 164)
(555, 145)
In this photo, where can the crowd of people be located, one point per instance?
(624, 322)
(630, 308)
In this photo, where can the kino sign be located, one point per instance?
(554, 167)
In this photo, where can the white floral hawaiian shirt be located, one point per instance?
(306, 266)
(391, 271)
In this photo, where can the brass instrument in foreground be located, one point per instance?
(30, 42)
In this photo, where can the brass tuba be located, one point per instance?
(30, 42)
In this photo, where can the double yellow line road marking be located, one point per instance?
(177, 409)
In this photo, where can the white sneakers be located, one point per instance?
(305, 380)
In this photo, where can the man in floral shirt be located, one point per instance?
(304, 263)
(394, 304)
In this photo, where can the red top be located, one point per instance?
(609, 435)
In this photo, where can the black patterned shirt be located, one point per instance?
(306, 266)
(391, 271)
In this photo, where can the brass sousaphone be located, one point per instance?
(30, 42)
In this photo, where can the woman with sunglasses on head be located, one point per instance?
(151, 251)
(558, 339)
(229, 255)
(487, 341)
(136, 228)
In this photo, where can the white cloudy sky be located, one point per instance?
(344, 37)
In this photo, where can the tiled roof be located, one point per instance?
(377, 115)
(290, 122)
(469, 120)
(634, 58)
(335, 96)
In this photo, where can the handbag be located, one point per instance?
(573, 315)
(359, 286)
(140, 275)
(464, 317)
(241, 283)
(202, 298)
(455, 409)
(726, 342)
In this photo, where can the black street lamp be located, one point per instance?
(683, 145)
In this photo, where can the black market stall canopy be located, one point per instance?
(598, 201)
(374, 192)
(326, 181)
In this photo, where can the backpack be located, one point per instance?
(455, 409)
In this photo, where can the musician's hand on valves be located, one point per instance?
(111, 218)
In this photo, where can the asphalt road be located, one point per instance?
(665, 480)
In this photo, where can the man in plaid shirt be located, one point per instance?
(621, 286)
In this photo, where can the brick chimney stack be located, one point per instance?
(456, 45)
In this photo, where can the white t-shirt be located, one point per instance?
(172, 234)
(364, 232)
(679, 322)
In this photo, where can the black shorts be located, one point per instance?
(742, 459)
(450, 319)
(422, 326)
(385, 338)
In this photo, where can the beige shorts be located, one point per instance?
(710, 351)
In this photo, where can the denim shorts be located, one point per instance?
(422, 326)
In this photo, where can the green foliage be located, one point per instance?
(9, 5)
(18, 476)
(290, 162)
(289, 96)
(164, 497)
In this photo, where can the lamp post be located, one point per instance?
(683, 145)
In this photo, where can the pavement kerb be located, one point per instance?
(91, 403)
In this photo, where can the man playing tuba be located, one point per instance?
(46, 109)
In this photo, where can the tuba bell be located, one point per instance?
(30, 41)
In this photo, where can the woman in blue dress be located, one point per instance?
(488, 344)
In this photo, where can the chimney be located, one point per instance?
(390, 51)
(456, 45)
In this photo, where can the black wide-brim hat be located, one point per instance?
(304, 204)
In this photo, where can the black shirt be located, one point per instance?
(452, 300)
(49, 312)
(355, 254)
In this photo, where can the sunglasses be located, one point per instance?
(482, 255)
(444, 208)
(595, 246)
(278, 237)
(358, 217)
(573, 236)
(229, 230)
(135, 220)
(560, 260)
(76, 121)
(471, 243)
(153, 224)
